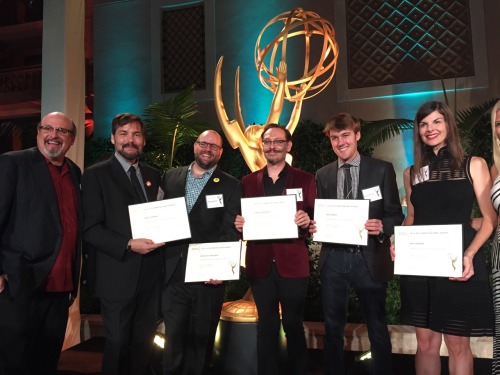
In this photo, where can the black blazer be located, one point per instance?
(372, 172)
(112, 271)
(30, 222)
(207, 224)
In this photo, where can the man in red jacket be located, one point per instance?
(278, 270)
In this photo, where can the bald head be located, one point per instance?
(208, 149)
(56, 134)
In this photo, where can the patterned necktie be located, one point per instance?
(137, 185)
(348, 193)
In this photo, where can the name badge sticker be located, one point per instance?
(215, 200)
(297, 192)
(373, 193)
(422, 176)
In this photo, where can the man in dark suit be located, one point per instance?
(367, 269)
(191, 311)
(40, 216)
(124, 273)
(279, 269)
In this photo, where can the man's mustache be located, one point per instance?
(130, 145)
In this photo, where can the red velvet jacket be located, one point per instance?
(291, 256)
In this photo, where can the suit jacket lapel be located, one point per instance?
(332, 180)
(364, 176)
(147, 180)
(121, 176)
(46, 185)
(260, 183)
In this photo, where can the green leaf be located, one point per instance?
(170, 126)
(374, 133)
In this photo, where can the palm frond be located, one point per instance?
(374, 133)
(468, 118)
(170, 125)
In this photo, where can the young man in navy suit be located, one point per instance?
(367, 269)
(40, 229)
(124, 273)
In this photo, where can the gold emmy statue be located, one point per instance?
(314, 79)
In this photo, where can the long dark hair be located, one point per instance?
(453, 144)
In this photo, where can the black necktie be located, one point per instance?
(137, 185)
(348, 193)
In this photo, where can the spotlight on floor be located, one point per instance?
(366, 355)
(159, 341)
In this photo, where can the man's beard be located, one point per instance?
(203, 164)
(129, 156)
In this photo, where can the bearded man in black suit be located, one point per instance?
(40, 217)
(191, 311)
(124, 273)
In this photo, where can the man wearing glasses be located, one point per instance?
(279, 270)
(40, 216)
(191, 311)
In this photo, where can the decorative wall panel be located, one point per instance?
(398, 41)
(183, 48)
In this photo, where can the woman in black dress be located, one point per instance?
(441, 188)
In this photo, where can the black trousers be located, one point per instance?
(130, 326)
(269, 293)
(191, 313)
(32, 332)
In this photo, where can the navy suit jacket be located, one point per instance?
(113, 272)
(207, 224)
(372, 172)
(30, 222)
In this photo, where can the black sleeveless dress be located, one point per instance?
(450, 307)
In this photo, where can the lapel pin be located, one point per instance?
(216, 179)
(148, 183)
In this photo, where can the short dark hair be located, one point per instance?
(342, 121)
(288, 135)
(122, 119)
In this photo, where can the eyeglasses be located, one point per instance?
(276, 142)
(212, 146)
(49, 129)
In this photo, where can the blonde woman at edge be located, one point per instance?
(440, 308)
(495, 254)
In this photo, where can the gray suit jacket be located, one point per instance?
(372, 173)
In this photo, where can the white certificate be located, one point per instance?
(269, 218)
(428, 250)
(341, 221)
(217, 261)
(160, 221)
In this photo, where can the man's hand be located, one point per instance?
(302, 219)
(3, 282)
(374, 226)
(143, 245)
(213, 282)
(238, 223)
